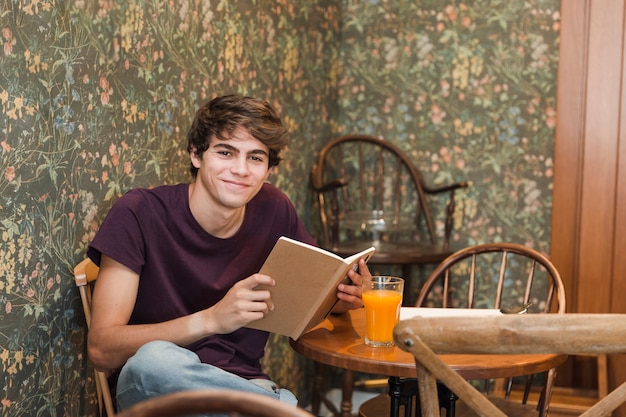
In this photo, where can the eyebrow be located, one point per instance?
(235, 149)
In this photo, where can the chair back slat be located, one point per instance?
(472, 283)
(501, 277)
(529, 284)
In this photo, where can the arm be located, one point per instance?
(112, 340)
(350, 294)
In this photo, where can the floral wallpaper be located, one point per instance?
(96, 97)
(468, 89)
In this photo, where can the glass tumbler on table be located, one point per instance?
(382, 297)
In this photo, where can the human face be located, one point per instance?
(231, 172)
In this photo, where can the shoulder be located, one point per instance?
(143, 198)
(270, 191)
(270, 195)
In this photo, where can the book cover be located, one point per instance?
(306, 285)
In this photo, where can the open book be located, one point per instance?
(306, 285)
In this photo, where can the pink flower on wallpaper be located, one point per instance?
(104, 98)
(104, 83)
(451, 12)
(437, 114)
(9, 41)
(7, 308)
(9, 173)
(550, 117)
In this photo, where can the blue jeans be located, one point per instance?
(161, 367)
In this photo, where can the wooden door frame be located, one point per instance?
(588, 232)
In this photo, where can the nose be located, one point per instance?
(240, 166)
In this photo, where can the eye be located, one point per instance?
(256, 158)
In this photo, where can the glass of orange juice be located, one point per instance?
(382, 297)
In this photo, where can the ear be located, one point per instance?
(195, 160)
(267, 174)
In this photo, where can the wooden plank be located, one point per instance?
(519, 333)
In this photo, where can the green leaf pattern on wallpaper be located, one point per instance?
(96, 97)
(469, 92)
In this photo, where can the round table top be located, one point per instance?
(339, 341)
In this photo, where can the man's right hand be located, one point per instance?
(242, 304)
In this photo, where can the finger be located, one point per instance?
(364, 269)
(255, 280)
(354, 290)
(264, 297)
(351, 301)
(355, 278)
(261, 296)
(258, 306)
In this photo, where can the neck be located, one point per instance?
(219, 222)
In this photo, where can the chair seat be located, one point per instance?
(398, 253)
(381, 405)
(509, 407)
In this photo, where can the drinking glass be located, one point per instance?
(382, 297)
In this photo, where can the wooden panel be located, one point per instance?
(588, 223)
(568, 145)
(619, 245)
(617, 364)
(600, 150)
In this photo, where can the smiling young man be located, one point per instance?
(179, 264)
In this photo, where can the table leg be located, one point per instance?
(346, 394)
(318, 388)
(318, 395)
(448, 399)
(402, 391)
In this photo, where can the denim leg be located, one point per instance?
(161, 367)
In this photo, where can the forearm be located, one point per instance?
(110, 347)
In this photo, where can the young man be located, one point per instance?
(179, 264)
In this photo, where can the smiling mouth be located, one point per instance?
(236, 184)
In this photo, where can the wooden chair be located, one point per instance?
(369, 193)
(85, 274)
(232, 403)
(495, 276)
(571, 334)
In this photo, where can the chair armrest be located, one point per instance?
(332, 185)
(445, 188)
(449, 213)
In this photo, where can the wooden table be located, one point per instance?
(339, 341)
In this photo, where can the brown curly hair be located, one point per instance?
(221, 116)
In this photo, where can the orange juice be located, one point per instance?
(382, 313)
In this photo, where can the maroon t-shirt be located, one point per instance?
(184, 269)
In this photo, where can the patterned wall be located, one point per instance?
(96, 97)
(469, 92)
